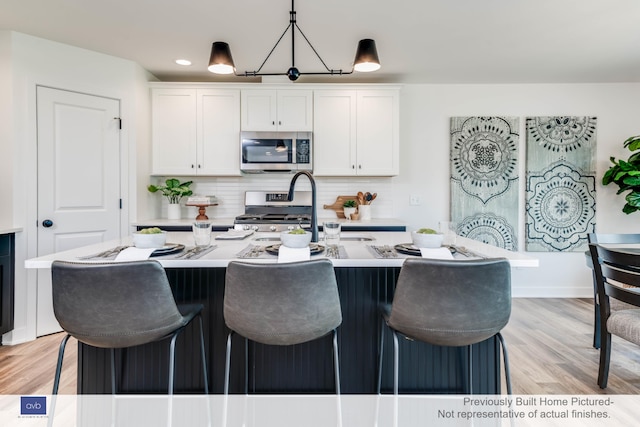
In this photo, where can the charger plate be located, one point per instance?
(314, 249)
(168, 248)
(411, 249)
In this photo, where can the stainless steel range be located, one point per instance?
(271, 211)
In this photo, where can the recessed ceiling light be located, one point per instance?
(183, 62)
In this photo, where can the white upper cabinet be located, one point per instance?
(356, 132)
(334, 134)
(173, 131)
(277, 110)
(195, 131)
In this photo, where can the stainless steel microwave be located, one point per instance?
(276, 152)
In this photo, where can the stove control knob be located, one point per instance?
(245, 227)
(291, 227)
(273, 228)
(255, 227)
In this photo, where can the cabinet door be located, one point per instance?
(218, 132)
(378, 133)
(295, 110)
(334, 136)
(173, 131)
(259, 110)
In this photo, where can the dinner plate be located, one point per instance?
(411, 249)
(314, 249)
(169, 248)
(407, 249)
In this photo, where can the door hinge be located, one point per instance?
(119, 122)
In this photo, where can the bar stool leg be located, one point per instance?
(112, 354)
(56, 381)
(505, 356)
(204, 357)
(227, 364)
(396, 362)
(381, 354)
(470, 369)
(336, 361)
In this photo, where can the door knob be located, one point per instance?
(47, 223)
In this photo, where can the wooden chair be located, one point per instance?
(615, 304)
(617, 273)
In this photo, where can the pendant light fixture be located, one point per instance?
(366, 59)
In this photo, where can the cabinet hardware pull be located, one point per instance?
(273, 123)
(192, 166)
(359, 166)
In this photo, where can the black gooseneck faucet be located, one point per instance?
(314, 218)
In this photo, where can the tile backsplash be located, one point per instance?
(230, 193)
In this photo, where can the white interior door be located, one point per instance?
(78, 179)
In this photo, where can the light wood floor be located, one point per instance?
(549, 342)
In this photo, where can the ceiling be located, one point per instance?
(425, 41)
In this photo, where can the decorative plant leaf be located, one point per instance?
(633, 199)
(626, 175)
(174, 190)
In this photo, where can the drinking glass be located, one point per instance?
(332, 234)
(202, 233)
(449, 232)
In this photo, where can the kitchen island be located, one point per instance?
(364, 281)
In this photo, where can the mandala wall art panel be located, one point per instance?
(484, 179)
(560, 189)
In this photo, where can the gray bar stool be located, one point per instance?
(282, 304)
(119, 305)
(448, 303)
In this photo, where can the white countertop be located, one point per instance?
(358, 253)
(10, 230)
(217, 222)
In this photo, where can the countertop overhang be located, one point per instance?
(358, 253)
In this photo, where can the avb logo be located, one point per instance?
(33, 405)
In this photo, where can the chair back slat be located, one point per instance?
(619, 269)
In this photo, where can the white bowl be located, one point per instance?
(295, 240)
(422, 240)
(156, 240)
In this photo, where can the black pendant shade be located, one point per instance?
(221, 61)
(366, 56)
(366, 60)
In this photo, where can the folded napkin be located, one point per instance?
(287, 254)
(436, 253)
(135, 254)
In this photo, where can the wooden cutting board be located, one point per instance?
(338, 204)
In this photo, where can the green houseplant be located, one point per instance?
(626, 175)
(174, 190)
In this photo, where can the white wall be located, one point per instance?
(34, 61)
(6, 127)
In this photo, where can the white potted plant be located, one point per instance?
(174, 191)
(349, 207)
